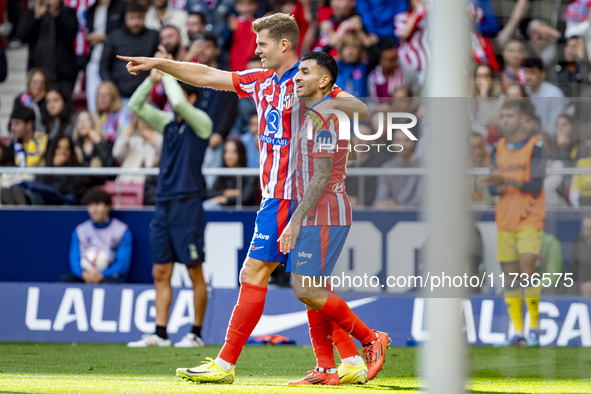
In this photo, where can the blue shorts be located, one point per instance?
(271, 220)
(177, 232)
(317, 250)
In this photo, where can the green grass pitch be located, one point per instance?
(103, 368)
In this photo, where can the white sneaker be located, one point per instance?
(190, 340)
(149, 340)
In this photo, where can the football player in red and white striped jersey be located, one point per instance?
(272, 90)
(319, 227)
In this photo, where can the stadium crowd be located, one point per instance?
(79, 90)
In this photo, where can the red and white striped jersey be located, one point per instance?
(279, 116)
(81, 45)
(414, 51)
(334, 207)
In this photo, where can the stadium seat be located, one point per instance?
(5, 140)
(125, 194)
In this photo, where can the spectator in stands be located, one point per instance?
(196, 24)
(570, 74)
(390, 73)
(567, 141)
(542, 40)
(365, 159)
(550, 262)
(219, 105)
(160, 14)
(50, 29)
(109, 109)
(28, 145)
(225, 190)
(486, 92)
(56, 189)
(243, 39)
(133, 38)
(378, 16)
(576, 16)
(514, 53)
(250, 139)
(478, 157)
(13, 13)
(580, 264)
(103, 17)
(216, 14)
(81, 44)
(516, 90)
(109, 234)
(59, 115)
(34, 97)
(336, 21)
(517, 14)
(567, 153)
(547, 99)
(27, 149)
(171, 40)
(580, 189)
(353, 71)
(399, 190)
(92, 147)
(138, 147)
(304, 18)
(554, 184)
(411, 30)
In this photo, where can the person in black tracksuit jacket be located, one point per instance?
(134, 39)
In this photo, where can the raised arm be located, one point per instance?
(153, 117)
(193, 73)
(198, 119)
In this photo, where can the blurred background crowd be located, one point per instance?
(76, 91)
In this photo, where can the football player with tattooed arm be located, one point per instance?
(318, 228)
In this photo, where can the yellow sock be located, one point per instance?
(514, 303)
(532, 300)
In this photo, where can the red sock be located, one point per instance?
(344, 342)
(321, 335)
(339, 312)
(246, 315)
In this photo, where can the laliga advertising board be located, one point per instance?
(381, 244)
(114, 313)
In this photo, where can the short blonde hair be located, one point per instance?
(280, 26)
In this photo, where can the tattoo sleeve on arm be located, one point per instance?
(322, 171)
